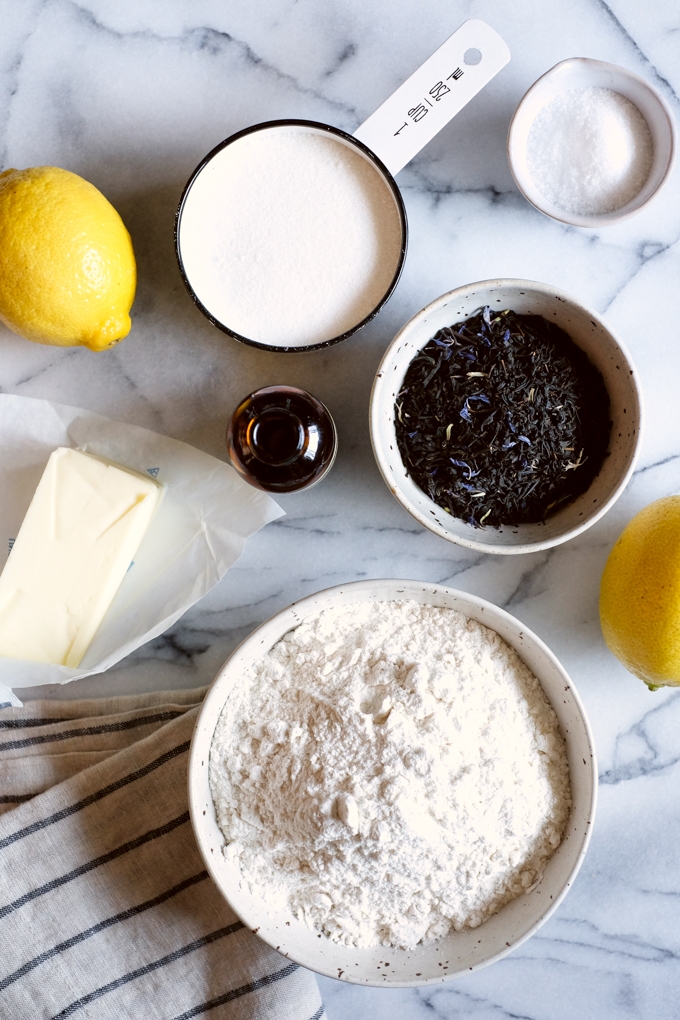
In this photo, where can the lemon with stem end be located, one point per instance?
(640, 595)
(67, 268)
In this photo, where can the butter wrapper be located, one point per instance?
(199, 530)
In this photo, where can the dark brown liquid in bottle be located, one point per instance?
(281, 439)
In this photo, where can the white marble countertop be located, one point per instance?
(131, 95)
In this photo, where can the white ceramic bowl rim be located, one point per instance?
(617, 370)
(458, 952)
(579, 72)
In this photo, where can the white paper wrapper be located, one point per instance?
(199, 530)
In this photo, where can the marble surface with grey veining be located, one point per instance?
(131, 95)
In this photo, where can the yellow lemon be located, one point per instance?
(67, 269)
(640, 595)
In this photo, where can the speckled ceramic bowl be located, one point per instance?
(461, 951)
(591, 334)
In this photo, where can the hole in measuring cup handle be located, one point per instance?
(436, 91)
(387, 140)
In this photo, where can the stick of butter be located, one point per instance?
(79, 536)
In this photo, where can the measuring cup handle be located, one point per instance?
(435, 93)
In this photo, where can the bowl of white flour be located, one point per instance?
(392, 783)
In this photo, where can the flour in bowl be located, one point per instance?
(390, 772)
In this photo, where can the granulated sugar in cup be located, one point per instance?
(292, 234)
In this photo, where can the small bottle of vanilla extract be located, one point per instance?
(282, 439)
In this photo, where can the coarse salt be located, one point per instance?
(589, 151)
(413, 788)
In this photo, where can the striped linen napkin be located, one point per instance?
(106, 910)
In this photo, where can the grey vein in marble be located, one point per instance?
(132, 95)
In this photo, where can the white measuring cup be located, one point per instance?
(291, 234)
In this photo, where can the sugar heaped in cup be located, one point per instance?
(290, 236)
(458, 952)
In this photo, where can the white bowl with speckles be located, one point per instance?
(589, 332)
(458, 952)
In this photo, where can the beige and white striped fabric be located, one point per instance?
(106, 910)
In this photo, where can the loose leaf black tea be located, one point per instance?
(502, 419)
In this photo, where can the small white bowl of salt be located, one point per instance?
(591, 143)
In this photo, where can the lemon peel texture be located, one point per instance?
(67, 268)
(640, 595)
